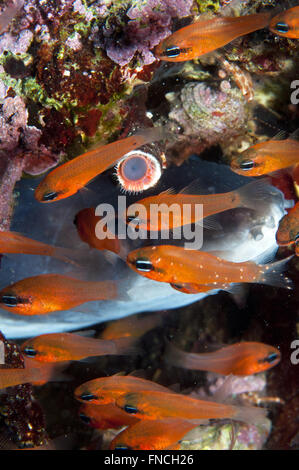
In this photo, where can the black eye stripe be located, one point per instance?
(282, 27)
(144, 265)
(11, 300)
(84, 418)
(130, 409)
(31, 352)
(248, 165)
(270, 358)
(88, 396)
(50, 196)
(172, 51)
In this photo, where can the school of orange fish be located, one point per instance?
(150, 415)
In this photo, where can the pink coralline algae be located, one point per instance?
(149, 22)
(19, 151)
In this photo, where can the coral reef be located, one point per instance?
(77, 73)
(20, 414)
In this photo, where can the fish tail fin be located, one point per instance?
(248, 23)
(49, 372)
(126, 346)
(68, 256)
(109, 290)
(255, 195)
(252, 415)
(272, 274)
(176, 357)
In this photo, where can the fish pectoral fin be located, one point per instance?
(281, 135)
(168, 192)
(210, 223)
(294, 135)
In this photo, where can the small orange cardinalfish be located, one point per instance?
(51, 292)
(175, 265)
(12, 242)
(288, 229)
(266, 157)
(106, 390)
(32, 373)
(133, 326)
(238, 359)
(286, 24)
(57, 347)
(152, 435)
(205, 36)
(105, 416)
(155, 405)
(250, 195)
(70, 177)
(86, 222)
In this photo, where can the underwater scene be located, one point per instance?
(149, 225)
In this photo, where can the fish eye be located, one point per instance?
(84, 418)
(130, 409)
(248, 165)
(282, 27)
(144, 265)
(88, 396)
(50, 196)
(172, 51)
(29, 351)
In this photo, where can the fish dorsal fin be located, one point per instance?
(168, 192)
(294, 135)
(281, 135)
(192, 188)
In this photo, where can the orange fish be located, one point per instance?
(266, 157)
(238, 359)
(32, 373)
(155, 405)
(286, 24)
(57, 347)
(205, 36)
(175, 265)
(86, 222)
(288, 229)
(106, 390)
(133, 326)
(105, 416)
(51, 292)
(70, 177)
(152, 435)
(164, 217)
(13, 242)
